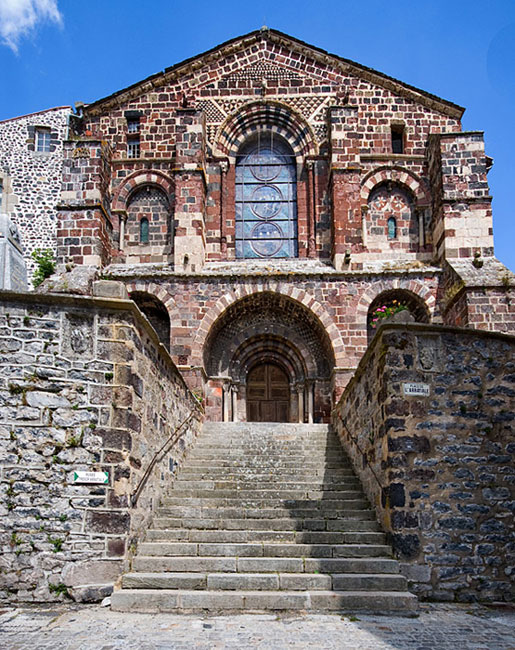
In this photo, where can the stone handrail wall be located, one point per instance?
(445, 486)
(84, 385)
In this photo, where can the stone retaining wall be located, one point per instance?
(84, 385)
(439, 468)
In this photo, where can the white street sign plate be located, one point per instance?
(91, 477)
(416, 390)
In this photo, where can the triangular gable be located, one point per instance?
(267, 69)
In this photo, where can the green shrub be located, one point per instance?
(45, 261)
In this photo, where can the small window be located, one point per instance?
(43, 140)
(133, 139)
(392, 228)
(133, 126)
(143, 231)
(132, 147)
(1, 193)
(397, 139)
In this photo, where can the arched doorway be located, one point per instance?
(282, 348)
(268, 394)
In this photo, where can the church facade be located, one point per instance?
(263, 200)
(266, 206)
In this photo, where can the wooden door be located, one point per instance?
(268, 394)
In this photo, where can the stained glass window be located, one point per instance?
(266, 199)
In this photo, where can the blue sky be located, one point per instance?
(57, 52)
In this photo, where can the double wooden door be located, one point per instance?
(268, 394)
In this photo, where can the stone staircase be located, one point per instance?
(265, 517)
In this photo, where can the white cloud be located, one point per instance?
(20, 18)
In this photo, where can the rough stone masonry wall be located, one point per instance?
(439, 469)
(32, 179)
(84, 385)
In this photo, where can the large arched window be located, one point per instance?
(266, 198)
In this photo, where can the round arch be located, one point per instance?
(271, 115)
(266, 329)
(417, 289)
(137, 180)
(300, 296)
(398, 176)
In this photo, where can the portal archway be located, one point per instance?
(290, 348)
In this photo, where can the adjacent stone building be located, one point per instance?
(31, 163)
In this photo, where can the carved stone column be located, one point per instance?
(234, 402)
(311, 405)
(224, 168)
(300, 397)
(123, 221)
(226, 396)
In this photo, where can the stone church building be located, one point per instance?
(262, 204)
(262, 199)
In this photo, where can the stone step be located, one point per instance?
(343, 524)
(256, 428)
(196, 564)
(268, 454)
(270, 536)
(168, 600)
(265, 581)
(263, 464)
(249, 549)
(209, 489)
(226, 502)
(259, 446)
(266, 511)
(245, 474)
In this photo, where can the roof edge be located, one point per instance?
(46, 110)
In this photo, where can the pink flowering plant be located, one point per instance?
(386, 311)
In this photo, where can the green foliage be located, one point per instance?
(59, 589)
(57, 542)
(44, 258)
(15, 540)
(385, 311)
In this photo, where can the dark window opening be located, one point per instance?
(392, 228)
(397, 139)
(143, 231)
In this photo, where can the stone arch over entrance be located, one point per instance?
(267, 330)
